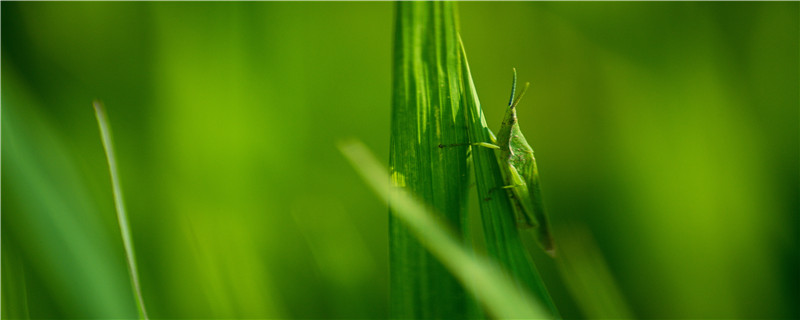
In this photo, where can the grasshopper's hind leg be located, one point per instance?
(522, 220)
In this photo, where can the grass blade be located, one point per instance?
(503, 240)
(498, 294)
(122, 216)
(426, 112)
(588, 277)
(54, 244)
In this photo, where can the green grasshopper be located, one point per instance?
(520, 173)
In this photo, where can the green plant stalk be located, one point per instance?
(122, 216)
(427, 110)
(502, 237)
(494, 289)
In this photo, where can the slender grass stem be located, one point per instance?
(122, 216)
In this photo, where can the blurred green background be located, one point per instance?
(670, 130)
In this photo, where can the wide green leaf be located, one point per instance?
(427, 111)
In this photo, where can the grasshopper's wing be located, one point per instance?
(520, 198)
(514, 184)
(531, 196)
(544, 234)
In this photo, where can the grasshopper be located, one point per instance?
(520, 174)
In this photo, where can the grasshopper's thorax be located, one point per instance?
(506, 133)
(514, 148)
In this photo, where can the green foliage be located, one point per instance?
(667, 129)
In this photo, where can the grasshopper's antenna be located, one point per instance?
(527, 84)
(513, 87)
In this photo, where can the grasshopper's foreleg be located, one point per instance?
(505, 187)
(479, 144)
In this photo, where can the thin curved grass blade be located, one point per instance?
(119, 202)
